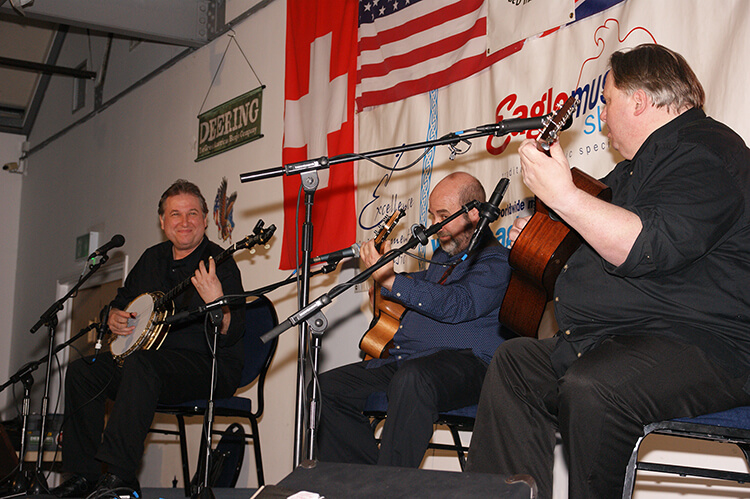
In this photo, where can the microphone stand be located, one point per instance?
(309, 178)
(49, 318)
(310, 181)
(215, 317)
(452, 139)
(21, 482)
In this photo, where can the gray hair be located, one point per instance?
(663, 74)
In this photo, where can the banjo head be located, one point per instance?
(143, 306)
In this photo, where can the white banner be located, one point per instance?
(510, 21)
(530, 83)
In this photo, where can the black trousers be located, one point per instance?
(147, 378)
(599, 406)
(417, 390)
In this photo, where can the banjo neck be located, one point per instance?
(152, 308)
(167, 297)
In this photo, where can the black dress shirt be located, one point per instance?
(688, 273)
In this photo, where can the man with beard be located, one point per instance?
(441, 350)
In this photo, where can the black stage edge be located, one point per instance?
(355, 481)
(335, 480)
(172, 493)
(179, 493)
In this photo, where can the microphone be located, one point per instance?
(101, 330)
(522, 124)
(302, 315)
(488, 212)
(116, 241)
(202, 309)
(351, 251)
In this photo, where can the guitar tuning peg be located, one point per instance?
(267, 246)
(252, 251)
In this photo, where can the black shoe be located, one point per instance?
(110, 485)
(75, 486)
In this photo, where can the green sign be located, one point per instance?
(82, 246)
(230, 125)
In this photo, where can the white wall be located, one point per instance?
(107, 174)
(10, 205)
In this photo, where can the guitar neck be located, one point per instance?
(557, 122)
(543, 146)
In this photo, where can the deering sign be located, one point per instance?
(231, 124)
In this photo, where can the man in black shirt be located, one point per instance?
(653, 308)
(180, 370)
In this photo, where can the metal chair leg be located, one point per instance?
(256, 448)
(459, 446)
(184, 453)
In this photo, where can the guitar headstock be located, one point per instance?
(548, 135)
(260, 235)
(386, 227)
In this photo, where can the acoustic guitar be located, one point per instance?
(152, 308)
(544, 244)
(387, 314)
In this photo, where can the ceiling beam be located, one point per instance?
(22, 124)
(46, 68)
(191, 23)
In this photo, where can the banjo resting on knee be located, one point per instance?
(152, 308)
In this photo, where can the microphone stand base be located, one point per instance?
(204, 493)
(308, 464)
(20, 483)
(38, 486)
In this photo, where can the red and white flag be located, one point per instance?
(321, 44)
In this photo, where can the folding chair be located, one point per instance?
(456, 420)
(731, 426)
(260, 317)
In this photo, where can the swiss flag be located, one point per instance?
(321, 65)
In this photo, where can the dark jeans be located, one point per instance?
(417, 390)
(147, 378)
(599, 406)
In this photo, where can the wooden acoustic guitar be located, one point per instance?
(152, 308)
(544, 244)
(387, 314)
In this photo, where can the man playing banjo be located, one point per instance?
(178, 371)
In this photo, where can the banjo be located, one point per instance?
(152, 308)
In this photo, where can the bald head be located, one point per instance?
(465, 187)
(447, 197)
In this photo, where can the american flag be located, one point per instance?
(408, 47)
